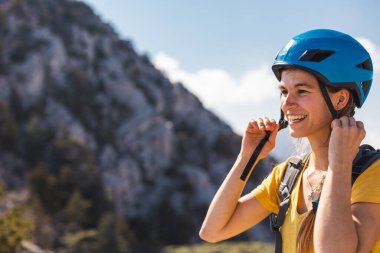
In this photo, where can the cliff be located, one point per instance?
(77, 100)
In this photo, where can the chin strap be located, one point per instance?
(325, 94)
(283, 124)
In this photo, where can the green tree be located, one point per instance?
(80, 242)
(76, 208)
(13, 227)
(114, 235)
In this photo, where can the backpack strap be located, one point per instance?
(291, 174)
(364, 158)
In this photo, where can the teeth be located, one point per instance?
(295, 117)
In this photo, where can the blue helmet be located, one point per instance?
(335, 58)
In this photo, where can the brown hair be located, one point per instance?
(305, 236)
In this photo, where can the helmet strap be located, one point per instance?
(282, 122)
(326, 96)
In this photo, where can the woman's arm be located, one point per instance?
(230, 214)
(334, 229)
(340, 226)
(367, 223)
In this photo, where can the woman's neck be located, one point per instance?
(319, 159)
(319, 152)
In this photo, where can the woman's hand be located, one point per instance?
(346, 136)
(254, 133)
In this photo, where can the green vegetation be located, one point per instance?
(13, 227)
(71, 196)
(226, 247)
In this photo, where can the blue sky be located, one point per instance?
(222, 50)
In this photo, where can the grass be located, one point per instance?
(225, 247)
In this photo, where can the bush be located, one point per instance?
(13, 227)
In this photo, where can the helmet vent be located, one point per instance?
(365, 86)
(365, 65)
(315, 55)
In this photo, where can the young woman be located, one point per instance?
(323, 74)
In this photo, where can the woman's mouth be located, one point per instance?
(295, 118)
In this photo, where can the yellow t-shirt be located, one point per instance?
(365, 189)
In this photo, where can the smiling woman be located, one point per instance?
(303, 104)
(323, 75)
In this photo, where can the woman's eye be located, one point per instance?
(302, 91)
(283, 92)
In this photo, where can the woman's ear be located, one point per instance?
(341, 99)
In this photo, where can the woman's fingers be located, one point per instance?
(345, 122)
(346, 136)
(352, 121)
(272, 137)
(348, 127)
(255, 132)
(360, 125)
(336, 123)
(262, 124)
(270, 124)
(361, 128)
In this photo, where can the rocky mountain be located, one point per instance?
(78, 103)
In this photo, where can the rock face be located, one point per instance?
(65, 76)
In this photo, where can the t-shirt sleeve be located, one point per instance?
(267, 192)
(367, 186)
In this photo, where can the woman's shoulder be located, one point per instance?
(279, 170)
(367, 188)
(373, 171)
(282, 166)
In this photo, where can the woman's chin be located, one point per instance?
(296, 134)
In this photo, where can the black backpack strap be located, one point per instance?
(291, 174)
(364, 158)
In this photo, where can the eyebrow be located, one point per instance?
(297, 85)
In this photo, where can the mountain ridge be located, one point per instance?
(78, 103)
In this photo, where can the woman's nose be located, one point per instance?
(288, 102)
